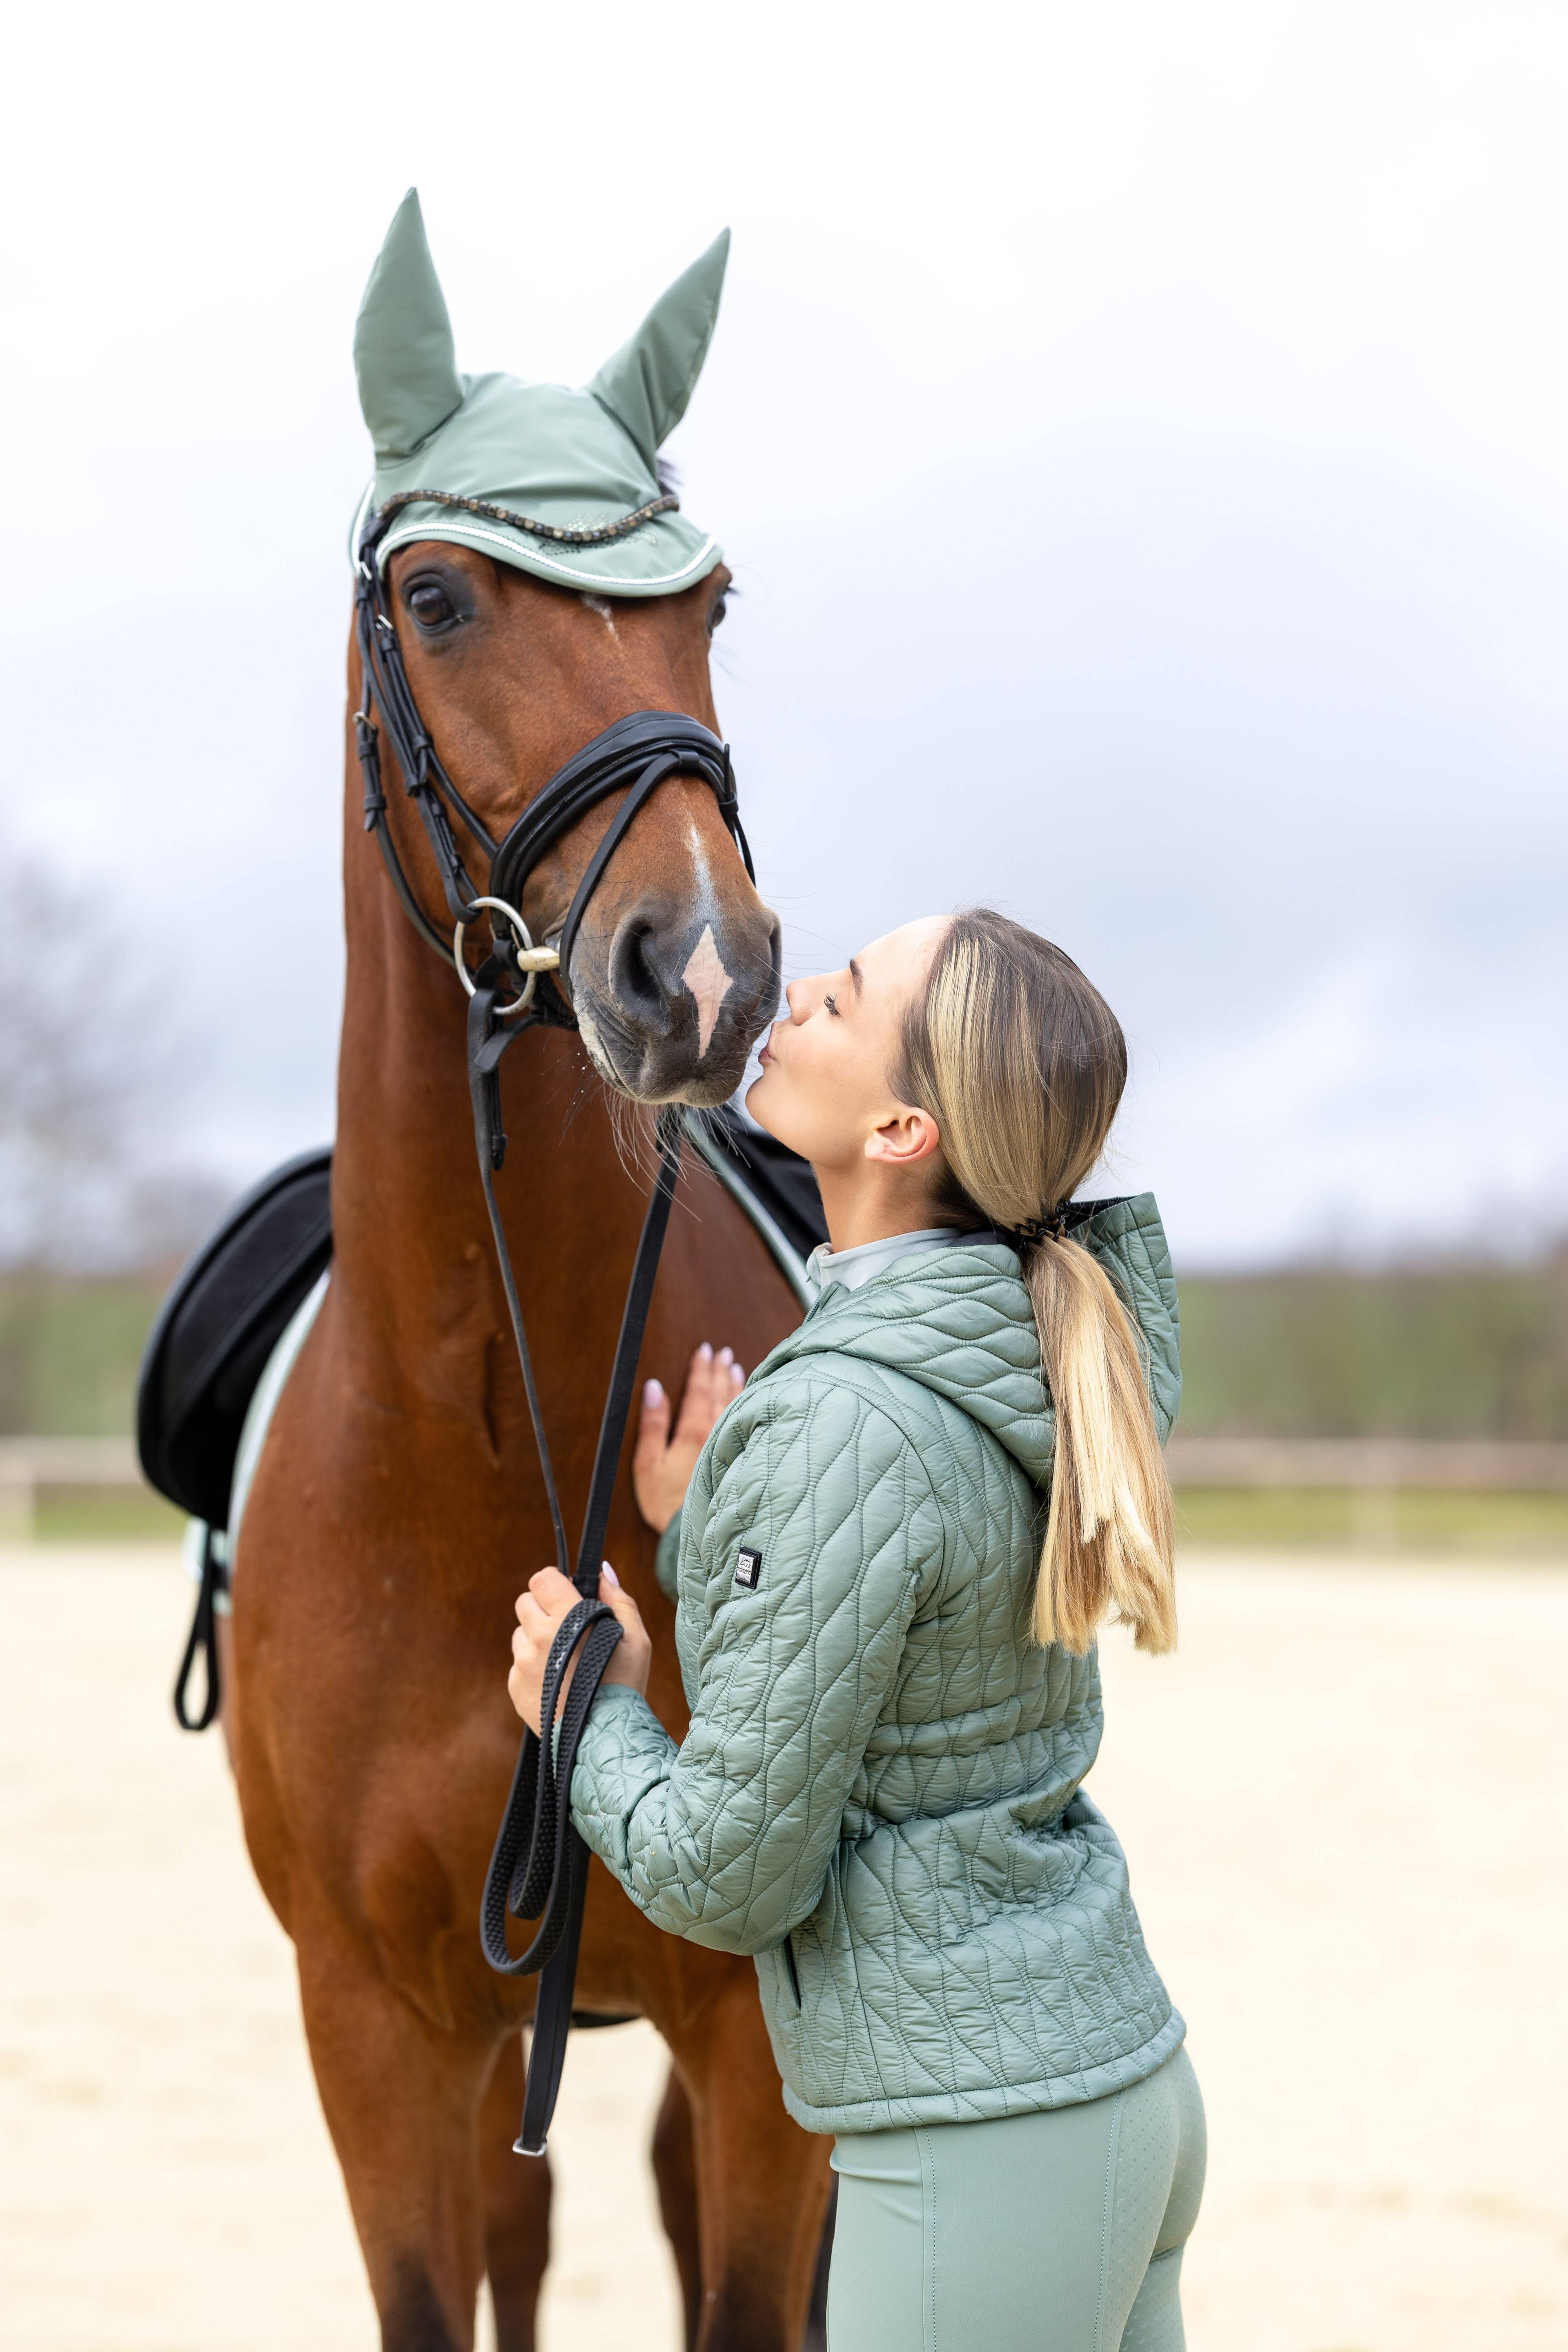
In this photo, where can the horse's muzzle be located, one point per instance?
(670, 1009)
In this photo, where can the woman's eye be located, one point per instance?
(430, 606)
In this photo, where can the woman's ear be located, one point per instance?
(904, 1140)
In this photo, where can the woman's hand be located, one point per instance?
(662, 1464)
(540, 1611)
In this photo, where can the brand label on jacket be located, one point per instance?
(749, 1570)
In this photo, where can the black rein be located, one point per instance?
(539, 1867)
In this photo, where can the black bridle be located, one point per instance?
(638, 752)
(539, 1864)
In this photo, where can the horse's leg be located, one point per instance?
(402, 2100)
(675, 2173)
(517, 2206)
(761, 2182)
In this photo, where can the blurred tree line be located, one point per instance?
(96, 1207)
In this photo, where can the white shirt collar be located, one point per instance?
(853, 1267)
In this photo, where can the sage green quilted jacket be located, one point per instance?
(878, 1795)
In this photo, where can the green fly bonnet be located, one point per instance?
(564, 484)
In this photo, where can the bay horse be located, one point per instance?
(398, 1507)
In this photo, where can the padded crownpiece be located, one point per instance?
(572, 460)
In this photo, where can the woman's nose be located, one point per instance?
(794, 997)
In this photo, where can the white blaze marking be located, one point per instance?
(710, 984)
(699, 858)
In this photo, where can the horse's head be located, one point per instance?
(522, 643)
(674, 969)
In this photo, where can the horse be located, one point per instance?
(398, 1507)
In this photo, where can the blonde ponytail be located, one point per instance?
(1109, 1537)
(1022, 1064)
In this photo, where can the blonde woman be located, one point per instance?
(891, 1562)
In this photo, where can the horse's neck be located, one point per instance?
(414, 1259)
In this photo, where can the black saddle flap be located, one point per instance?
(220, 1322)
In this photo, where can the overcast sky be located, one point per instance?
(1138, 435)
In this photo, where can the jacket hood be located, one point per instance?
(960, 1322)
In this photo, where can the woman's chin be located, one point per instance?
(767, 1112)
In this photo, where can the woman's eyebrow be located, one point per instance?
(855, 974)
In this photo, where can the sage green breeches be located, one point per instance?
(1060, 2232)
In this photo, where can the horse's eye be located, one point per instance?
(430, 605)
(718, 612)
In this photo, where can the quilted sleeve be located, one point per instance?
(666, 1560)
(727, 1839)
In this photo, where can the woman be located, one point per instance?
(887, 1637)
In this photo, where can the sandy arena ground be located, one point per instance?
(1344, 1807)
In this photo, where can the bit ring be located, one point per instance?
(533, 960)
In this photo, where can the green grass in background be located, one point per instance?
(1414, 1521)
(1449, 1351)
(105, 1514)
(69, 1349)
(1318, 1518)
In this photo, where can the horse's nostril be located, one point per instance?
(635, 978)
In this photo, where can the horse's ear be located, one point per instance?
(408, 380)
(646, 385)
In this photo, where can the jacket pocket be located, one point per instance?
(793, 1973)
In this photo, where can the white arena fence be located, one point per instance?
(32, 1466)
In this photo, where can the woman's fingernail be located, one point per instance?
(705, 1351)
(736, 1374)
(652, 1393)
(610, 1576)
(726, 1355)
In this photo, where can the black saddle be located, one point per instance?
(227, 1312)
